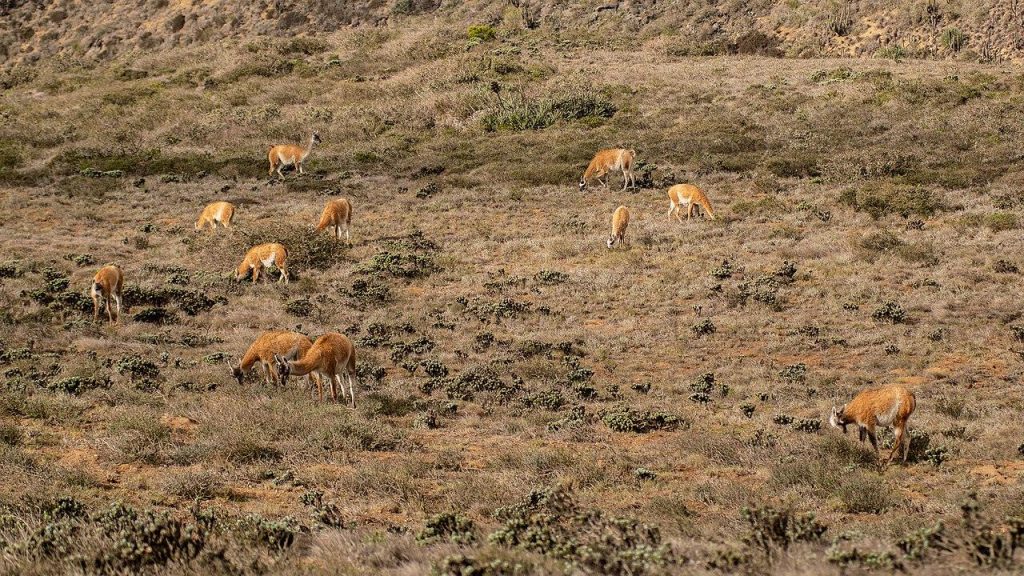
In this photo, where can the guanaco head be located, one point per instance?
(611, 242)
(583, 184)
(236, 371)
(315, 138)
(836, 418)
(284, 369)
(242, 271)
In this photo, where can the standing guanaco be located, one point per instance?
(883, 406)
(331, 356)
(283, 155)
(290, 345)
(611, 160)
(216, 213)
(107, 285)
(263, 255)
(337, 215)
(689, 196)
(620, 221)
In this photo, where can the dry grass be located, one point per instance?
(503, 348)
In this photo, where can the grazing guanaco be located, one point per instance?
(216, 213)
(337, 215)
(620, 221)
(331, 357)
(689, 196)
(290, 345)
(263, 255)
(611, 160)
(107, 285)
(883, 406)
(283, 155)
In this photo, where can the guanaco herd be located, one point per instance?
(332, 357)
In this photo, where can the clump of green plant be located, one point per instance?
(367, 293)
(890, 312)
(954, 39)
(136, 367)
(794, 373)
(864, 493)
(323, 512)
(622, 418)
(301, 307)
(550, 522)
(918, 544)
(142, 539)
(517, 111)
(551, 277)
(703, 328)
(773, 530)
(478, 33)
(723, 271)
(808, 425)
(75, 385)
(450, 527)
(883, 198)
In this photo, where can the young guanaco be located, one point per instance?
(883, 406)
(263, 255)
(290, 155)
(620, 221)
(689, 196)
(331, 357)
(611, 160)
(216, 213)
(337, 215)
(290, 345)
(106, 286)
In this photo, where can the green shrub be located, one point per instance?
(517, 111)
(481, 33)
(891, 52)
(301, 307)
(551, 523)
(449, 527)
(890, 312)
(75, 385)
(772, 530)
(881, 199)
(954, 39)
(625, 419)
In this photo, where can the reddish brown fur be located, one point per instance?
(331, 356)
(106, 286)
(288, 344)
(890, 405)
(216, 213)
(290, 155)
(688, 195)
(337, 215)
(259, 256)
(620, 221)
(609, 160)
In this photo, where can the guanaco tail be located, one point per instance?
(620, 221)
(106, 286)
(290, 345)
(263, 255)
(689, 196)
(611, 160)
(290, 155)
(331, 357)
(337, 216)
(883, 406)
(216, 213)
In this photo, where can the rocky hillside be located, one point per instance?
(986, 30)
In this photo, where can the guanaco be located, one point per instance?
(263, 255)
(331, 357)
(107, 285)
(620, 221)
(883, 406)
(611, 160)
(337, 215)
(689, 196)
(290, 345)
(283, 155)
(216, 213)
